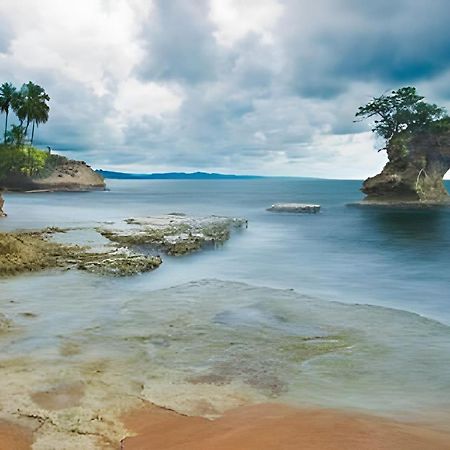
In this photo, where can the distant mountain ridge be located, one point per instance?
(173, 176)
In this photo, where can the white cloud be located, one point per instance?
(234, 19)
(136, 99)
(82, 41)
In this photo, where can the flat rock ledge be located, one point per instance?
(22, 252)
(174, 234)
(295, 208)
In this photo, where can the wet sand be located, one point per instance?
(277, 427)
(13, 437)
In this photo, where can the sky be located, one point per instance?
(264, 87)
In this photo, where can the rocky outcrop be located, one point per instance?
(415, 170)
(174, 234)
(35, 250)
(2, 202)
(68, 175)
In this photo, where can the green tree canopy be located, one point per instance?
(30, 106)
(401, 110)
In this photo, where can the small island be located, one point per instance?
(417, 142)
(23, 167)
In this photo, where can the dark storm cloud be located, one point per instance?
(390, 43)
(179, 43)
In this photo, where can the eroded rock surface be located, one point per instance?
(2, 202)
(174, 234)
(33, 251)
(417, 164)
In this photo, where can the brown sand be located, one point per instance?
(13, 437)
(277, 427)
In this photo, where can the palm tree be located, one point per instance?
(7, 95)
(31, 106)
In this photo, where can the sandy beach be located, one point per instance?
(14, 437)
(277, 427)
(256, 427)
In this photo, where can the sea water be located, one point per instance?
(349, 307)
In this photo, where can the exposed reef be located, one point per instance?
(174, 234)
(128, 249)
(33, 251)
(415, 170)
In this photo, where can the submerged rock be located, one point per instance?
(174, 234)
(294, 208)
(415, 170)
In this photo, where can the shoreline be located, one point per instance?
(268, 426)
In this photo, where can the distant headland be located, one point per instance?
(174, 176)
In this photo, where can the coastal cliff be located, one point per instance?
(64, 175)
(415, 170)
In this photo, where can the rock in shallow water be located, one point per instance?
(294, 208)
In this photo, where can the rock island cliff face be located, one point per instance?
(68, 175)
(415, 170)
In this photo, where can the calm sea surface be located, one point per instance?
(252, 319)
(399, 259)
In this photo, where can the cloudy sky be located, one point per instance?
(237, 86)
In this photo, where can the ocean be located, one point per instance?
(346, 308)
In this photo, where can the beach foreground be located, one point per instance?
(277, 427)
(256, 427)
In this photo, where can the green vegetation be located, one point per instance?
(27, 160)
(403, 112)
(17, 154)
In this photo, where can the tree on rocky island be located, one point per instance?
(417, 136)
(402, 110)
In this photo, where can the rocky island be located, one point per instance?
(415, 170)
(417, 136)
(23, 167)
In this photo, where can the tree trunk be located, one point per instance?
(6, 127)
(32, 133)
